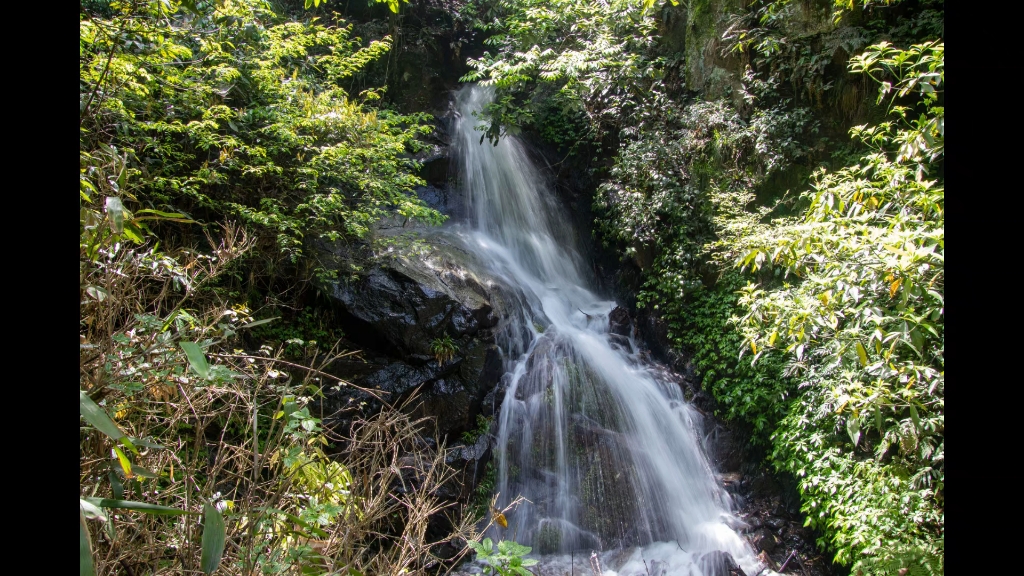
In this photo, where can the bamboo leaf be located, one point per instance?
(96, 417)
(146, 443)
(140, 471)
(196, 358)
(214, 532)
(91, 511)
(140, 506)
(115, 485)
(126, 464)
(862, 354)
(161, 213)
(259, 322)
(85, 566)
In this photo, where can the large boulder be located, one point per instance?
(410, 292)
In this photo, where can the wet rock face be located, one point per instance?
(773, 524)
(412, 292)
(407, 307)
(619, 322)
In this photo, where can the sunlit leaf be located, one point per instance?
(92, 511)
(853, 429)
(259, 322)
(126, 465)
(196, 358)
(139, 506)
(97, 417)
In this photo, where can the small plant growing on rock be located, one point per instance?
(443, 349)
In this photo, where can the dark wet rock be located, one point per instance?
(719, 563)
(776, 524)
(469, 461)
(753, 523)
(408, 293)
(408, 309)
(619, 322)
(763, 540)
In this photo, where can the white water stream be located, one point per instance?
(609, 456)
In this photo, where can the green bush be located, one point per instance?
(861, 322)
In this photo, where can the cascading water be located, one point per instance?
(607, 454)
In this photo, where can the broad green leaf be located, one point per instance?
(97, 417)
(139, 506)
(196, 358)
(914, 416)
(134, 232)
(85, 566)
(214, 532)
(115, 485)
(140, 471)
(917, 340)
(862, 354)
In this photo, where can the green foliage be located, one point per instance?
(443, 348)
(484, 491)
(224, 111)
(507, 561)
(483, 427)
(755, 396)
(603, 56)
(230, 112)
(845, 323)
(862, 324)
(305, 334)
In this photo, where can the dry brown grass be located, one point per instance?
(291, 508)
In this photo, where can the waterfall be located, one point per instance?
(608, 454)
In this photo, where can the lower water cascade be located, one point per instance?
(607, 454)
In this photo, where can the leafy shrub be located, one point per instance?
(233, 112)
(862, 325)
